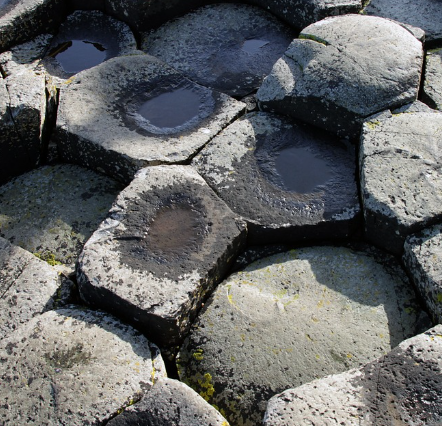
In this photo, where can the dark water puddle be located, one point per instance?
(253, 46)
(171, 109)
(301, 170)
(77, 55)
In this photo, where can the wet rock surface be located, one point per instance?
(279, 323)
(432, 90)
(167, 242)
(402, 387)
(400, 179)
(123, 128)
(324, 79)
(299, 182)
(229, 47)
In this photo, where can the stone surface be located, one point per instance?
(74, 366)
(325, 79)
(53, 210)
(167, 242)
(289, 181)
(112, 136)
(418, 13)
(400, 176)
(423, 258)
(229, 47)
(432, 89)
(293, 317)
(401, 388)
(170, 402)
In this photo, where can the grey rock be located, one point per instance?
(289, 181)
(53, 210)
(402, 387)
(167, 242)
(422, 258)
(229, 47)
(74, 366)
(417, 106)
(112, 136)
(170, 402)
(432, 89)
(418, 13)
(294, 317)
(325, 79)
(400, 185)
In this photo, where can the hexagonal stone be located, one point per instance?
(53, 210)
(229, 47)
(74, 366)
(402, 387)
(399, 164)
(324, 79)
(432, 89)
(422, 257)
(293, 317)
(289, 181)
(139, 112)
(167, 242)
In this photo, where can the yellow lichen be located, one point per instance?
(198, 355)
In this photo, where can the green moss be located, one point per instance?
(313, 38)
(48, 257)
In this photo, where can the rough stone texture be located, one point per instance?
(289, 181)
(400, 177)
(291, 318)
(167, 242)
(425, 14)
(423, 259)
(432, 89)
(229, 47)
(22, 20)
(325, 79)
(53, 210)
(401, 388)
(74, 367)
(170, 402)
(111, 136)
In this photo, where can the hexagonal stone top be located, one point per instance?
(167, 242)
(229, 47)
(343, 69)
(288, 180)
(133, 111)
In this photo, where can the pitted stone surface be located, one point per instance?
(400, 176)
(112, 136)
(167, 242)
(229, 47)
(170, 402)
(288, 180)
(294, 317)
(423, 259)
(401, 388)
(74, 366)
(342, 70)
(418, 13)
(53, 210)
(432, 90)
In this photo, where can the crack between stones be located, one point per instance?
(16, 277)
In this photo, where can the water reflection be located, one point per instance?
(253, 46)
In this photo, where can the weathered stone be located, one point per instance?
(432, 89)
(423, 259)
(170, 402)
(74, 367)
(294, 317)
(229, 47)
(53, 210)
(325, 79)
(114, 136)
(290, 182)
(418, 13)
(401, 388)
(399, 164)
(167, 242)
(22, 20)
